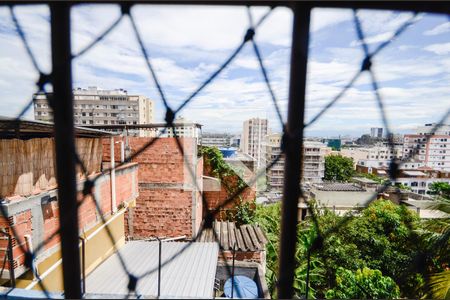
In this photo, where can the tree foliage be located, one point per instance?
(221, 169)
(441, 189)
(338, 168)
(387, 250)
(363, 284)
(244, 213)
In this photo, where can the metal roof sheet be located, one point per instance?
(190, 275)
(338, 187)
(414, 173)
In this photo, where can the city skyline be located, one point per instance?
(415, 67)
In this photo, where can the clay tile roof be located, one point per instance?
(248, 237)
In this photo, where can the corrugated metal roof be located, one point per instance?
(414, 173)
(338, 187)
(190, 275)
(247, 237)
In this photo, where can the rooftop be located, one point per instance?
(246, 237)
(24, 129)
(364, 180)
(338, 187)
(190, 275)
(414, 173)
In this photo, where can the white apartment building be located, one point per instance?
(418, 181)
(432, 148)
(216, 139)
(377, 156)
(183, 128)
(253, 135)
(94, 106)
(313, 162)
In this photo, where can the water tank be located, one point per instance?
(228, 152)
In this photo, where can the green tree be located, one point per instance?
(363, 284)
(338, 168)
(441, 189)
(386, 243)
(268, 216)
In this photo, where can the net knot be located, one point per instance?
(132, 283)
(249, 35)
(87, 187)
(366, 64)
(170, 116)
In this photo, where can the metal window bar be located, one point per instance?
(292, 138)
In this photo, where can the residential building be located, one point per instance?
(29, 202)
(432, 129)
(275, 174)
(338, 197)
(183, 128)
(414, 175)
(432, 148)
(94, 106)
(379, 155)
(162, 200)
(396, 138)
(313, 162)
(253, 135)
(235, 141)
(344, 198)
(218, 140)
(376, 132)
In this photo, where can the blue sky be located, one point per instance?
(186, 44)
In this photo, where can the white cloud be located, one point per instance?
(324, 17)
(440, 29)
(187, 44)
(440, 49)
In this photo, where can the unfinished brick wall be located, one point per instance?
(248, 256)
(22, 225)
(167, 192)
(215, 199)
(40, 220)
(162, 213)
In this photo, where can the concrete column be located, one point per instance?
(113, 179)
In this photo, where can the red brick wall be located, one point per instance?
(215, 199)
(164, 213)
(257, 256)
(164, 206)
(87, 214)
(22, 226)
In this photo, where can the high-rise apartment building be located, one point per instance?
(93, 106)
(313, 162)
(429, 146)
(376, 132)
(253, 135)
